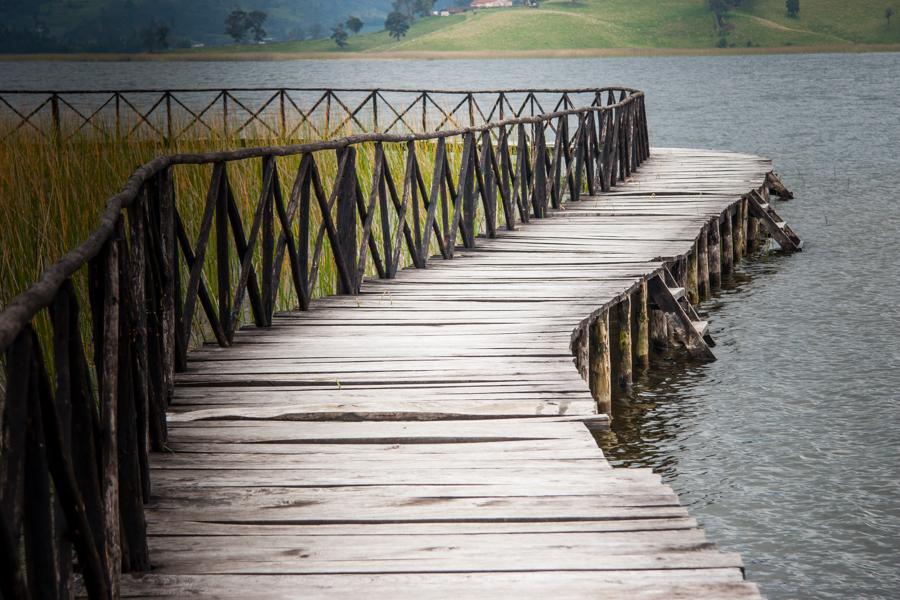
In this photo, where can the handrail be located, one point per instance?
(173, 114)
(589, 90)
(146, 277)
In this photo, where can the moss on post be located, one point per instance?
(703, 265)
(714, 252)
(623, 319)
(745, 226)
(737, 234)
(690, 280)
(600, 364)
(642, 318)
(727, 245)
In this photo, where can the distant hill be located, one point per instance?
(561, 25)
(556, 25)
(119, 25)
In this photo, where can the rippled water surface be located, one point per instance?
(787, 448)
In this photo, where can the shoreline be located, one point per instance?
(212, 56)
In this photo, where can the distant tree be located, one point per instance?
(888, 13)
(423, 8)
(240, 25)
(315, 31)
(720, 9)
(339, 35)
(155, 37)
(397, 24)
(354, 24)
(793, 7)
(236, 25)
(255, 19)
(414, 8)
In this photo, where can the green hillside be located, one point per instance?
(635, 24)
(119, 25)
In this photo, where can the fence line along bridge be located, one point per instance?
(419, 432)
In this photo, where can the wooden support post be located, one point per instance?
(745, 226)
(691, 287)
(623, 319)
(641, 304)
(737, 234)
(714, 252)
(703, 265)
(727, 251)
(753, 239)
(659, 329)
(754, 233)
(600, 364)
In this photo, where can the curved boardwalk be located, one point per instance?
(428, 438)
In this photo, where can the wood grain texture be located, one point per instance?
(428, 436)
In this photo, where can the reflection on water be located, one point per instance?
(763, 445)
(653, 421)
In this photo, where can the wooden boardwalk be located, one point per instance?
(428, 438)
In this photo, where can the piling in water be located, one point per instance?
(600, 364)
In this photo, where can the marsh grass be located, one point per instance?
(53, 192)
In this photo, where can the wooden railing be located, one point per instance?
(77, 431)
(317, 113)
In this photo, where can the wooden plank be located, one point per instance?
(699, 584)
(427, 435)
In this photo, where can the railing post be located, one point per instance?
(269, 285)
(118, 115)
(539, 193)
(169, 125)
(131, 490)
(328, 113)
(54, 115)
(105, 306)
(646, 129)
(424, 112)
(281, 112)
(490, 189)
(467, 189)
(375, 110)
(346, 218)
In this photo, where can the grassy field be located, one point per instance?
(586, 25)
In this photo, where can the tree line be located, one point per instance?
(403, 14)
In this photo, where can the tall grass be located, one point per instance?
(52, 193)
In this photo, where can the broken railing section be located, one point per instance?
(77, 432)
(659, 313)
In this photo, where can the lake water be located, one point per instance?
(787, 448)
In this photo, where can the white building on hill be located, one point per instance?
(490, 3)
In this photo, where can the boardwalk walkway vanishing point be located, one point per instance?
(448, 454)
(423, 435)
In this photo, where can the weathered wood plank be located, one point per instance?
(447, 451)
